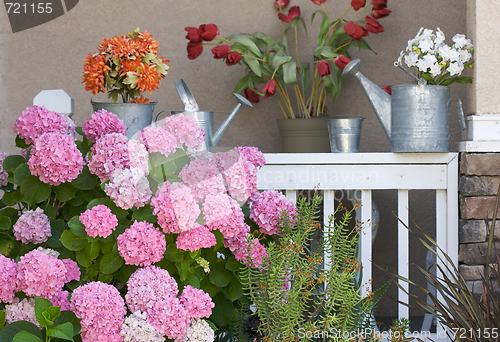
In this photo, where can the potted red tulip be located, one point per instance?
(273, 66)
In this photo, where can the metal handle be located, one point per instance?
(461, 116)
(157, 115)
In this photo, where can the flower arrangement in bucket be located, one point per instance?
(117, 239)
(273, 66)
(436, 62)
(125, 66)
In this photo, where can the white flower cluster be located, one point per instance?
(49, 251)
(137, 329)
(199, 331)
(430, 55)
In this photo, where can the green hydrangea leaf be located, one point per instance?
(5, 222)
(21, 172)
(41, 305)
(219, 275)
(65, 191)
(110, 263)
(34, 191)
(12, 162)
(63, 331)
(24, 336)
(3, 315)
(72, 241)
(85, 180)
(77, 227)
(69, 317)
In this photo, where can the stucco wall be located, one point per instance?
(51, 56)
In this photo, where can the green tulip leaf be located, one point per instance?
(12, 162)
(72, 241)
(247, 42)
(110, 263)
(34, 191)
(279, 60)
(253, 64)
(290, 73)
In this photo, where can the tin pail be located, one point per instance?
(420, 119)
(345, 133)
(135, 116)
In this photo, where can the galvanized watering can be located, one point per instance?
(416, 117)
(205, 118)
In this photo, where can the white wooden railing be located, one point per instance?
(375, 171)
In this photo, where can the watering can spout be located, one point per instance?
(225, 124)
(379, 99)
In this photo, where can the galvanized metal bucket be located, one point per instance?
(135, 116)
(420, 119)
(345, 133)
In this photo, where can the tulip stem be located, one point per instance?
(326, 12)
(256, 58)
(340, 47)
(224, 40)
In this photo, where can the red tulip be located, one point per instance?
(318, 2)
(208, 32)
(194, 49)
(192, 34)
(233, 58)
(269, 88)
(387, 89)
(356, 31)
(358, 4)
(251, 95)
(220, 51)
(372, 25)
(281, 3)
(324, 68)
(381, 13)
(379, 4)
(293, 12)
(341, 61)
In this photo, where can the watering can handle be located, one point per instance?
(157, 115)
(461, 116)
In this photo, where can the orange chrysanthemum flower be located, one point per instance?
(140, 100)
(93, 74)
(129, 65)
(148, 78)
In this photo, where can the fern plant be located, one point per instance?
(299, 297)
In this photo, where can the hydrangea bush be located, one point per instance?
(140, 239)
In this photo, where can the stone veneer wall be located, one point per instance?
(478, 186)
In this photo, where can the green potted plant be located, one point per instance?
(273, 66)
(126, 66)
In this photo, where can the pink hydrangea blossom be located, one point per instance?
(72, 270)
(62, 300)
(32, 226)
(197, 302)
(223, 213)
(194, 239)
(202, 178)
(141, 244)
(101, 123)
(240, 176)
(3, 174)
(238, 244)
(101, 310)
(8, 282)
(109, 153)
(253, 155)
(169, 317)
(157, 139)
(137, 329)
(268, 208)
(41, 275)
(186, 131)
(148, 285)
(37, 120)
(55, 159)
(21, 311)
(175, 207)
(99, 221)
(138, 156)
(128, 188)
